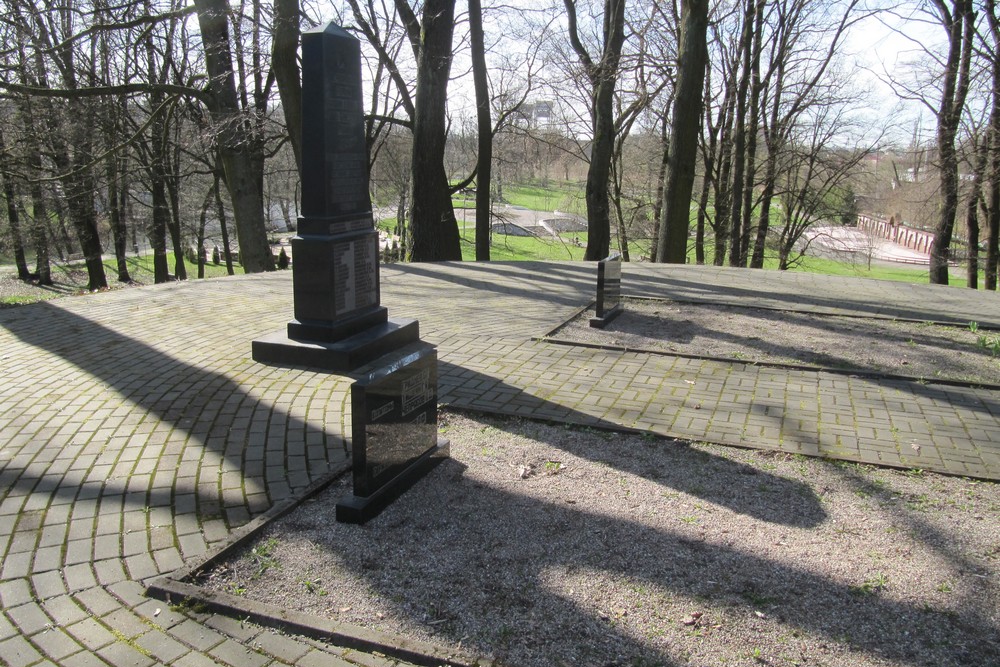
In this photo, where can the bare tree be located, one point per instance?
(602, 75)
(285, 67)
(484, 127)
(685, 129)
(13, 217)
(958, 19)
(812, 173)
(801, 76)
(993, 137)
(237, 136)
(47, 32)
(434, 227)
(980, 160)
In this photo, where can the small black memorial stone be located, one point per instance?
(339, 323)
(609, 291)
(394, 432)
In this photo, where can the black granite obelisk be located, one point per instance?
(339, 322)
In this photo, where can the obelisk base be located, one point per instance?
(339, 356)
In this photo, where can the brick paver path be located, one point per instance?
(136, 433)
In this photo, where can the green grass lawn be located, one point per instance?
(527, 248)
(71, 278)
(565, 197)
(141, 268)
(908, 273)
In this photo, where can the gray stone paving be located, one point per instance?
(136, 433)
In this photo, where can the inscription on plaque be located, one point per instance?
(395, 419)
(334, 154)
(355, 275)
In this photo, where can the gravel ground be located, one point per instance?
(917, 349)
(540, 545)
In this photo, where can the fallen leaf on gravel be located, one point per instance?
(693, 618)
(344, 609)
(525, 471)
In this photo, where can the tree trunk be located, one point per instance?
(484, 126)
(706, 186)
(602, 77)
(661, 183)
(115, 110)
(76, 175)
(12, 215)
(960, 25)
(39, 237)
(750, 175)
(223, 226)
(236, 138)
(723, 198)
(692, 60)
(58, 231)
(432, 219)
(80, 188)
(774, 134)
(598, 177)
(739, 138)
(975, 198)
(284, 64)
(39, 210)
(174, 222)
(616, 184)
(202, 220)
(721, 184)
(119, 234)
(993, 198)
(158, 226)
(598, 205)
(174, 225)
(785, 242)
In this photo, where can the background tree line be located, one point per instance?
(722, 128)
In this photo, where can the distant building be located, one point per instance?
(538, 115)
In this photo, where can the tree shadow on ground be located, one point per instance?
(493, 553)
(570, 284)
(792, 297)
(806, 510)
(194, 411)
(927, 345)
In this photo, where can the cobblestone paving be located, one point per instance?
(136, 433)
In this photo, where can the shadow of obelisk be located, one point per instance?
(339, 322)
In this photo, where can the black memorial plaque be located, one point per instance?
(395, 419)
(394, 432)
(339, 323)
(609, 291)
